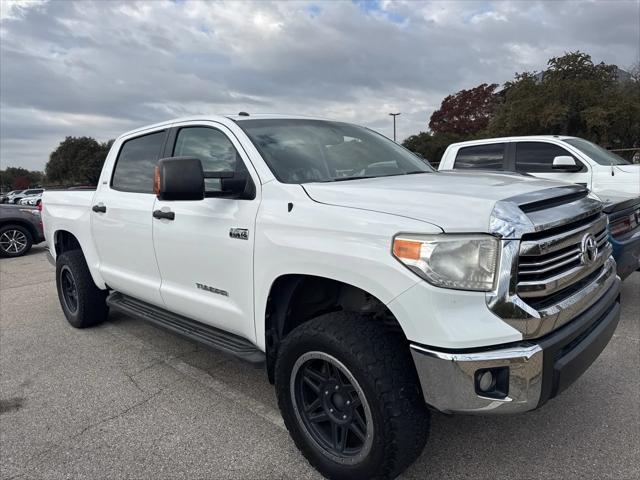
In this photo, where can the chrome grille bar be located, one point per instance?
(550, 264)
(564, 239)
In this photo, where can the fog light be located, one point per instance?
(492, 382)
(487, 381)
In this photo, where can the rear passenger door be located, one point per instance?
(490, 156)
(536, 158)
(121, 219)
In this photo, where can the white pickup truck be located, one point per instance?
(370, 286)
(556, 157)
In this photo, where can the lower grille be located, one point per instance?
(552, 263)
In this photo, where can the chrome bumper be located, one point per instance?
(535, 371)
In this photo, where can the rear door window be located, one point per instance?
(135, 166)
(532, 157)
(485, 157)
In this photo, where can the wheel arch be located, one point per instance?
(294, 299)
(65, 241)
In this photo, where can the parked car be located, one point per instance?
(26, 193)
(624, 235)
(31, 200)
(8, 198)
(568, 159)
(368, 295)
(20, 229)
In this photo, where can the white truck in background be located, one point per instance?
(555, 157)
(370, 286)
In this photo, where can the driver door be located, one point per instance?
(205, 254)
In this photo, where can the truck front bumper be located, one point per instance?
(517, 377)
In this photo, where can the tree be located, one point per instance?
(77, 160)
(574, 97)
(431, 146)
(466, 112)
(18, 178)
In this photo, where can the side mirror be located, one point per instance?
(235, 184)
(565, 163)
(179, 178)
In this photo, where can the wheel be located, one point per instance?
(350, 397)
(15, 241)
(82, 302)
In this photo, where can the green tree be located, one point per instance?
(574, 97)
(77, 160)
(430, 145)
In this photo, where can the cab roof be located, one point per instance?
(523, 138)
(222, 119)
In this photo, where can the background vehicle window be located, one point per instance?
(538, 156)
(596, 152)
(487, 157)
(135, 166)
(213, 148)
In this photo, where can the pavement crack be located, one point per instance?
(130, 377)
(75, 436)
(117, 415)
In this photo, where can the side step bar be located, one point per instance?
(199, 332)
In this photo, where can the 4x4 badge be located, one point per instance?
(239, 233)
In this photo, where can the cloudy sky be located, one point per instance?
(99, 69)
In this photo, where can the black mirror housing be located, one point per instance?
(179, 178)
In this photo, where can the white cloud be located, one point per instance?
(100, 68)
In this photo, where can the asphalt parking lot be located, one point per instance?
(126, 400)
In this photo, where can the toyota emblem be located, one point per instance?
(589, 249)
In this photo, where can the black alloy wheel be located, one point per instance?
(331, 405)
(69, 289)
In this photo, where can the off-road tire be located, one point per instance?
(91, 308)
(380, 361)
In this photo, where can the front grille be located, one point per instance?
(550, 265)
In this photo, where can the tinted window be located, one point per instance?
(596, 152)
(487, 157)
(537, 156)
(33, 192)
(300, 151)
(213, 148)
(135, 166)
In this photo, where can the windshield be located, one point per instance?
(301, 151)
(596, 152)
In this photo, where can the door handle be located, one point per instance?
(99, 208)
(165, 215)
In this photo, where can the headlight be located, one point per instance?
(463, 262)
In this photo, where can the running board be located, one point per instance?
(199, 332)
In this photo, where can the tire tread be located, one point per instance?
(385, 357)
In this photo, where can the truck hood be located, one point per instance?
(629, 168)
(456, 201)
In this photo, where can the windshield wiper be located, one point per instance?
(343, 179)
